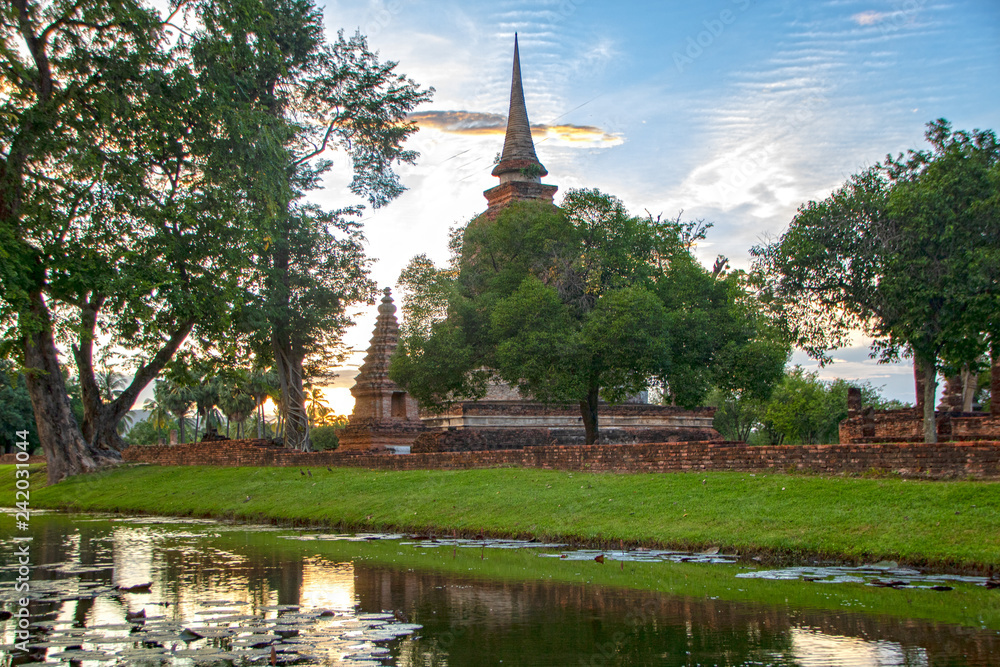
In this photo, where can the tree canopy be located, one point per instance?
(150, 187)
(579, 303)
(307, 97)
(907, 251)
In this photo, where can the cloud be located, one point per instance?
(480, 123)
(461, 122)
(869, 18)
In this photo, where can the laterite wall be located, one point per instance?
(979, 460)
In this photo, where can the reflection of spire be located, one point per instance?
(519, 170)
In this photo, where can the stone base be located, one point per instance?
(377, 437)
(529, 414)
(489, 439)
(505, 193)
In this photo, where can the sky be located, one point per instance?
(735, 112)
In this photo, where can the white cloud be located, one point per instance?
(870, 17)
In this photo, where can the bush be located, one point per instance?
(146, 433)
(325, 438)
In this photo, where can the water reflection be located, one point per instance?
(152, 591)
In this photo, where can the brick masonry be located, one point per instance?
(869, 426)
(484, 438)
(979, 460)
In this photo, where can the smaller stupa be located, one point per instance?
(385, 416)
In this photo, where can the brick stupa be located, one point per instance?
(519, 170)
(384, 416)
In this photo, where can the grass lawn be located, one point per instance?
(941, 524)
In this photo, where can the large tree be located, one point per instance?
(140, 178)
(577, 303)
(105, 213)
(908, 251)
(294, 99)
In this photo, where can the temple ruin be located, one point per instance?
(956, 417)
(384, 416)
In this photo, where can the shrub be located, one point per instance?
(325, 438)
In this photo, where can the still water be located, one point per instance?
(155, 591)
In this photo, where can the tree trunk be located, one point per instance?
(969, 381)
(929, 372)
(66, 451)
(918, 381)
(100, 419)
(180, 426)
(995, 381)
(296, 422)
(588, 408)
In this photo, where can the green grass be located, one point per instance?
(859, 519)
(941, 524)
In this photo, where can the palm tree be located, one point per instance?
(316, 406)
(235, 400)
(110, 383)
(260, 385)
(177, 399)
(158, 413)
(125, 423)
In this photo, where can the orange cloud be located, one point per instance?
(479, 123)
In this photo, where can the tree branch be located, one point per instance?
(148, 371)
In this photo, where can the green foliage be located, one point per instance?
(532, 170)
(15, 409)
(325, 438)
(801, 410)
(427, 290)
(122, 216)
(301, 98)
(151, 431)
(721, 336)
(578, 303)
(152, 186)
(907, 251)
(804, 410)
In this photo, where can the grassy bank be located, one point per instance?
(939, 524)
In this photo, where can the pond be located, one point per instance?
(110, 590)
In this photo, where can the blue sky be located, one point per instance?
(733, 111)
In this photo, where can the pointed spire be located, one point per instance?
(519, 170)
(518, 161)
(374, 372)
(384, 415)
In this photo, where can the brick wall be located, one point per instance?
(979, 460)
(870, 426)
